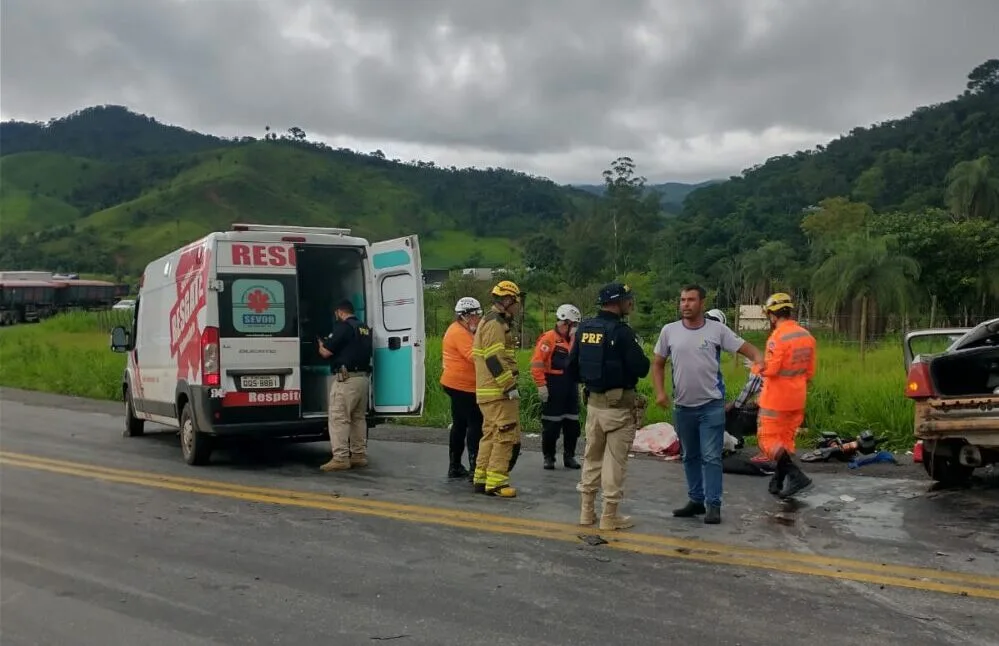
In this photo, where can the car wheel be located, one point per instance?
(195, 445)
(944, 467)
(133, 425)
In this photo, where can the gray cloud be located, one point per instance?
(689, 88)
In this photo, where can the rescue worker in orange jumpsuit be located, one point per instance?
(494, 351)
(557, 391)
(458, 381)
(788, 366)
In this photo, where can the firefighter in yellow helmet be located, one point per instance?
(788, 366)
(494, 353)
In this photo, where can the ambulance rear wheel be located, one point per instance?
(195, 445)
(133, 425)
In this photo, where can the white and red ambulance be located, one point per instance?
(224, 337)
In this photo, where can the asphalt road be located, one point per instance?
(107, 540)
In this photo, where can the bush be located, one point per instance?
(69, 354)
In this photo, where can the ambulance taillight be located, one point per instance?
(210, 372)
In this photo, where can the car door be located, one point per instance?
(399, 372)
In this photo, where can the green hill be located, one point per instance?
(106, 190)
(898, 165)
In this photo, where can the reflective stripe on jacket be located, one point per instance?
(788, 365)
(458, 368)
(495, 356)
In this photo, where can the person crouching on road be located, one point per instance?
(348, 348)
(694, 345)
(608, 359)
(788, 366)
(557, 391)
(494, 351)
(458, 381)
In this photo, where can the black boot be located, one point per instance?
(471, 466)
(713, 515)
(781, 462)
(549, 439)
(689, 510)
(795, 483)
(570, 437)
(776, 481)
(456, 469)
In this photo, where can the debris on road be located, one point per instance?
(843, 449)
(592, 539)
(880, 457)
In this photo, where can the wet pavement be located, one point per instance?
(115, 532)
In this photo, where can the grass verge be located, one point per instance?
(69, 354)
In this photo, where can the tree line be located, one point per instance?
(886, 227)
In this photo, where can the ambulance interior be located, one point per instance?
(326, 276)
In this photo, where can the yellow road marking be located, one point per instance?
(686, 549)
(495, 519)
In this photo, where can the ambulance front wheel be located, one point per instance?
(133, 426)
(195, 445)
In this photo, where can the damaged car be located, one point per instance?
(956, 396)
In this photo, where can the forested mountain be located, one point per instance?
(891, 223)
(914, 224)
(894, 222)
(105, 189)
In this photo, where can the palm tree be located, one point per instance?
(768, 268)
(973, 190)
(865, 270)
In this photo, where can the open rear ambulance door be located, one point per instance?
(399, 374)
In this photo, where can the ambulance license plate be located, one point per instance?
(259, 381)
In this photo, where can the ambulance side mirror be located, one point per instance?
(120, 341)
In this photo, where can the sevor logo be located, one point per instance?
(258, 305)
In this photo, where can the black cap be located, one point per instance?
(612, 292)
(345, 306)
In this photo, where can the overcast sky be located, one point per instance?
(690, 89)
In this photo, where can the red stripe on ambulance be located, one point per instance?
(262, 398)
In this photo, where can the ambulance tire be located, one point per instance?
(134, 426)
(195, 445)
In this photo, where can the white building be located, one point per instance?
(752, 318)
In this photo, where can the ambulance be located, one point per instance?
(223, 341)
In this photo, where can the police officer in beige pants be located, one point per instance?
(608, 359)
(348, 348)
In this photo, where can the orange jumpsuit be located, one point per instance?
(788, 366)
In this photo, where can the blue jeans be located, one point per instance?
(701, 430)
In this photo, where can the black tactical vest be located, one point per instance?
(600, 366)
(356, 355)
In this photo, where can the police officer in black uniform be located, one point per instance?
(348, 348)
(608, 359)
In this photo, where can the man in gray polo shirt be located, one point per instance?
(694, 345)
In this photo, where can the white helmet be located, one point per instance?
(717, 315)
(568, 313)
(467, 305)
